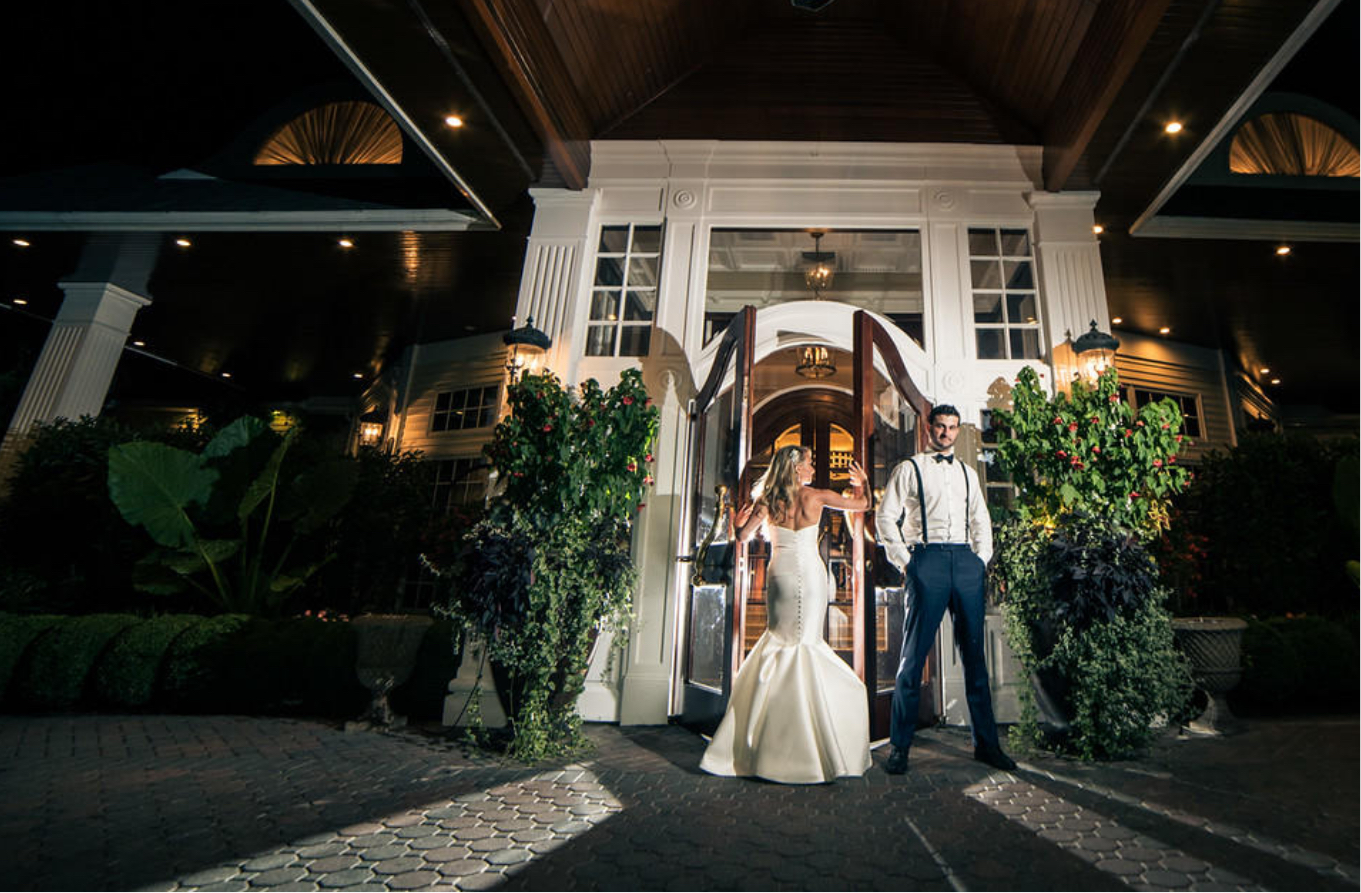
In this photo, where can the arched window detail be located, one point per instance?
(335, 133)
(1291, 144)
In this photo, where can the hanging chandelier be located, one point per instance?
(820, 267)
(815, 362)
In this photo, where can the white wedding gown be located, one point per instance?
(798, 714)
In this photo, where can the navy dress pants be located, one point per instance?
(943, 576)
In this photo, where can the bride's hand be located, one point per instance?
(859, 480)
(742, 515)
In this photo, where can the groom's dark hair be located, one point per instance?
(943, 409)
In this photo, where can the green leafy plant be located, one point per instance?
(56, 667)
(229, 519)
(1082, 598)
(1089, 451)
(549, 565)
(126, 674)
(17, 632)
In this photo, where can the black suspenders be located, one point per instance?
(921, 500)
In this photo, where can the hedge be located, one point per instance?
(54, 669)
(127, 674)
(17, 632)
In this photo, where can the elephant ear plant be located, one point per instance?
(230, 521)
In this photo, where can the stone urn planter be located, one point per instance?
(388, 644)
(1214, 646)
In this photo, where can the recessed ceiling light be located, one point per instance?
(183, 243)
(139, 344)
(1283, 250)
(22, 243)
(454, 121)
(1098, 229)
(226, 375)
(21, 301)
(345, 243)
(1172, 127)
(1264, 370)
(359, 375)
(1164, 331)
(1275, 381)
(1116, 320)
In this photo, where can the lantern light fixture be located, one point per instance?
(528, 345)
(1096, 352)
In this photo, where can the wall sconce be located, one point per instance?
(527, 346)
(1095, 352)
(371, 427)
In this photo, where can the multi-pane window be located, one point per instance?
(1000, 492)
(468, 408)
(459, 482)
(624, 294)
(1005, 298)
(1189, 405)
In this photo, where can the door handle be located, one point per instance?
(720, 517)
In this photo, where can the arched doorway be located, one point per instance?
(877, 424)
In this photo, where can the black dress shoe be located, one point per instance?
(897, 761)
(994, 757)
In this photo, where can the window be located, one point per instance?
(1189, 404)
(1294, 145)
(1000, 492)
(1005, 300)
(624, 296)
(335, 133)
(459, 482)
(470, 408)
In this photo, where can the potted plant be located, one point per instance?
(549, 564)
(1084, 606)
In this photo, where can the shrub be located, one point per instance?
(56, 667)
(294, 667)
(17, 632)
(190, 679)
(1273, 669)
(126, 675)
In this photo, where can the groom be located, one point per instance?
(933, 523)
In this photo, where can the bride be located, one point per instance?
(798, 714)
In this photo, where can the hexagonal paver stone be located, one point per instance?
(1115, 832)
(474, 832)
(484, 881)
(369, 840)
(433, 842)
(417, 831)
(381, 853)
(1120, 867)
(278, 877)
(353, 876)
(462, 868)
(508, 857)
(399, 866)
(570, 827)
(403, 821)
(1098, 844)
(270, 862)
(487, 844)
(360, 830)
(210, 876)
(333, 863)
(529, 835)
(444, 812)
(413, 880)
(322, 850)
(1172, 880)
(1184, 864)
(445, 854)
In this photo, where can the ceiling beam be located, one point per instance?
(515, 36)
(1116, 38)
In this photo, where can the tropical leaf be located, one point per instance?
(239, 433)
(267, 481)
(150, 574)
(153, 485)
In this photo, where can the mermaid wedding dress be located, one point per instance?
(798, 714)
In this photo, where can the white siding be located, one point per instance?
(1173, 367)
(454, 365)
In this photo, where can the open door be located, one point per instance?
(720, 439)
(891, 426)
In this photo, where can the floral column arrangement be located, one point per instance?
(550, 564)
(1083, 604)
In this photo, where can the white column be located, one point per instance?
(1069, 259)
(77, 363)
(553, 274)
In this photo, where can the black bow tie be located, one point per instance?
(941, 457)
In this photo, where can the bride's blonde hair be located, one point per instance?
(778, 488)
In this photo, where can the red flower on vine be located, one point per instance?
(1178, 438)
(1134, 494)
(1129, 433)
(1157, 463)
(1058, 421)
(1061, 453)
(647, 458)
(633, 466)
(627, 401)
(647, 479)
(1114, 398)
(547, 426)
(1072, 426)
(1096, 449)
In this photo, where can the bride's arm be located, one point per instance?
(855, 499)
(747, 525)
